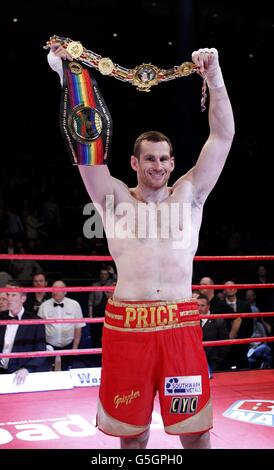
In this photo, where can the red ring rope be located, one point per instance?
(109, 258)
(111, 288)
(101, 319)
(76, 352)
(104, 288)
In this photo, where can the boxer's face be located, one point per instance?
(154, 165)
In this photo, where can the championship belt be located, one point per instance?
(85, 121)
(143, 76)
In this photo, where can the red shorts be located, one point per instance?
(151, 347)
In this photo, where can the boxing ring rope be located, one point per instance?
(111, 288)
(109, 258)
(76, 352)
(269, 285)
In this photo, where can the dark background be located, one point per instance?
(164, 33)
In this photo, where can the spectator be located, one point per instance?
(20, 338)
(34, 226)
(264, 296)
(24, 269)
(250, 297)
(4, 278)
(66, 335)
(15, 228)
(262, 274)
(3, 301)
(35, 299)
(265, 300)
(98, 310)
(258, 354)
(213, 330)
(216, 304)
(111, 272)
(95, 298)
(221, 296)
(239, 327)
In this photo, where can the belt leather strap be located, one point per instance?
(85, 121)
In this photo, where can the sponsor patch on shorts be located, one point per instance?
(187, 385)
(183, 405)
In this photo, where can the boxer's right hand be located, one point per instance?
(60, 51)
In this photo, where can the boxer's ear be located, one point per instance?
(134, 162)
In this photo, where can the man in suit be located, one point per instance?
(216, 304)
(213, 330)
(20, 338)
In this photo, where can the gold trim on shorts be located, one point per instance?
(115, 316)
(200, 422)
(114, 427)
(154, 328)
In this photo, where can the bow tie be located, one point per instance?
(58, 305)
(13, 317)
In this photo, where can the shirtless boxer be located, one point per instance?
(152, 339)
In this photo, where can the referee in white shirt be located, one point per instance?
(62, 335)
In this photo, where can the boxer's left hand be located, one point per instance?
(20, 376)
(207, 62)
